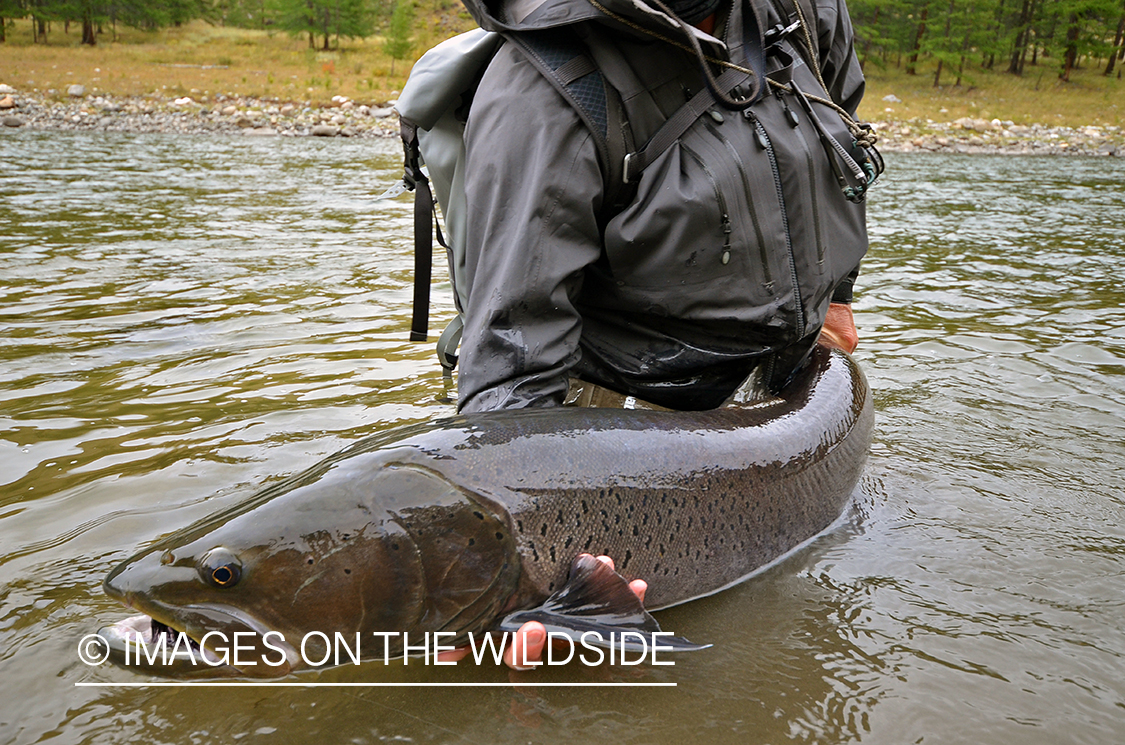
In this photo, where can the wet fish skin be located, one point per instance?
(450, 525)
(689, 501)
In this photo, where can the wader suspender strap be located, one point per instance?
(425, 223)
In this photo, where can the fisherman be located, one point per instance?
(729, 247)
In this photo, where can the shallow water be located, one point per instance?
(185, 319)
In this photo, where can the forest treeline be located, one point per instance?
(953, 36)
(323, 21)
(950, 37)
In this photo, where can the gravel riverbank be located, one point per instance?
(238, 116)
(221, 115)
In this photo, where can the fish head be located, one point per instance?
(364, 547)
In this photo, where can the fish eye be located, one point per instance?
(220, 568)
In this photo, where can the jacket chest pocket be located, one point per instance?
(706, 212)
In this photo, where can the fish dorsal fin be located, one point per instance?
(596, 599)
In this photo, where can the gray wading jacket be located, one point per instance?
(727, 255)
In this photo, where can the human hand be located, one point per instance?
(529, 642)
(839, 328)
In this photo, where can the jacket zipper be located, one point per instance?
(814, 202)
(764, 140)
(722, 202)
(762, 253)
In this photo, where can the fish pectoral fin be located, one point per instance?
(597, 608)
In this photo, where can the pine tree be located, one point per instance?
(324, 18)
(399, 42)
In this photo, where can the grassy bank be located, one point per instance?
(1038, 97)
(201, 60)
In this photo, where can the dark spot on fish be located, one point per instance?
(472, 541)
(585, 507)
(499, 536)
(519, 525)
(479, 515)
(347, 571)
(560, 518)
(394, 547)
(543, 530)
(569, 540)
(625, 561)
(552, 554)
(310, 562)
(588, 542)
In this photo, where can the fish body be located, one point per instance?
(453, 525)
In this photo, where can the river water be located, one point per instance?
(184, 319)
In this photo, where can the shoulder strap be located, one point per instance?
(562, 58)
(675, 126)
(425, 223)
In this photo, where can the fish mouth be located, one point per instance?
(141, 643)
(183, 648)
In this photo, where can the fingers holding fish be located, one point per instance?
(529, 642)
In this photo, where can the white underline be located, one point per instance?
(166, 684)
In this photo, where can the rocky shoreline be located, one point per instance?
(978, 136)
(223, 115)
(241, 116)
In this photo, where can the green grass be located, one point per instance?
(1038, 97)
(203, 60)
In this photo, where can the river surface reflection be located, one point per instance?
(185, 319)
